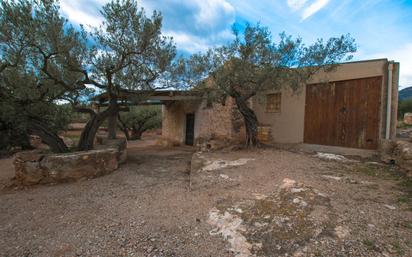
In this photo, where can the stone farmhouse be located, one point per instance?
(354, 106)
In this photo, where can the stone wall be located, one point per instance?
(35, 167)
(215, 121)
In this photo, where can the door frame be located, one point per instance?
(192, 117)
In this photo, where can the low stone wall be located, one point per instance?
(399, 153)
(35, 167)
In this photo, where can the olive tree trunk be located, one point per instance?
(51, 139)
(112, 122)
(89, 132)
(250, 119)
(137, 133)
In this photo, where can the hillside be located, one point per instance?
(405, 93)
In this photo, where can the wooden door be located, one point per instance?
(344, 113)
(190, 129)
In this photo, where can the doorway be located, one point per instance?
(190, 128)
(344, 113)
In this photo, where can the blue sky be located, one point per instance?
(382, 28)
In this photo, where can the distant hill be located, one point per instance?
(405, 93)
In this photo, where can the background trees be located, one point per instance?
(140, 119)
(253, 63)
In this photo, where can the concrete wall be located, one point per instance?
(286, 125)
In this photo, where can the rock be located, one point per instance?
(224, 176)
(390, 207)
(220, 164)
(287, 183)
(341, 232)
(205, 172)
(332, 177)
(230, 227)
(297, 190)
(332, 157)
(403, 156)
(300, 202)
(386, 149)
(407, 118)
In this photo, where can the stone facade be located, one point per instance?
(35, 167)
(214, 122)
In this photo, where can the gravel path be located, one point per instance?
(146, 208)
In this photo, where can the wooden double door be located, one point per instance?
(344, 113)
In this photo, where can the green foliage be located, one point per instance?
(404, 106)
(130, 51)
(252, 63)
(140, 119)
(15, 121)
(37, 46)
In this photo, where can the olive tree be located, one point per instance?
(253, 63)
(140, 119)
(36, 45)
(45, 60)
(129, 53)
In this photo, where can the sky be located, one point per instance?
(381, 28)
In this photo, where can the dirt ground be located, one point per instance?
(146, 208)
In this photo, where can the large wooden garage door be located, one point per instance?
(343, 113)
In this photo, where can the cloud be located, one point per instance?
(187, 42)
(296, 4)
(307, 10)
(194, 24)
(314, 8)
(82, 12)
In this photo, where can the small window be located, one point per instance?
(273, 102)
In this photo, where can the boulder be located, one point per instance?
(407, 118)
(403, 156)
(386, 150)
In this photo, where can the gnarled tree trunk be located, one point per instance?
(137, 133)
(51, 139)
(112, 122)
(89, 132)
(250, 119)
